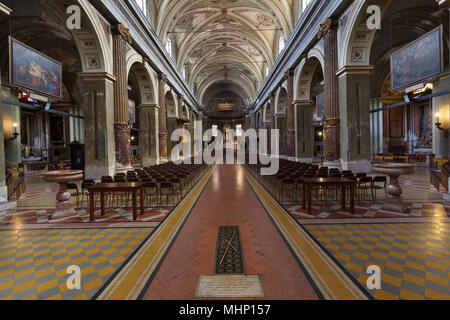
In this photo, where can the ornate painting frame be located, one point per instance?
(32, 70)
(415, 55)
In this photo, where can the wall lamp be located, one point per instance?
(15, 134)
(439, 125)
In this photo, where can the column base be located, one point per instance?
(332, 164)
(97, 172)
(363, 166)
(123, 169)
(305, 160)
(149, 162)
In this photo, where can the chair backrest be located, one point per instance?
(72, 186)
(364, 180)
(380, 179)
(107, 179)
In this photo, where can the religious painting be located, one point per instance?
(57, 129)
(30, 69)
(131, 111)
(320, 107)
(425, 126)
(418, 61)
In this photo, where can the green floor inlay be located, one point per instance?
(33, 263)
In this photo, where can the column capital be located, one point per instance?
(95, 76)
(302, 103)
(163, 77)
(119, 30)
(148, 106)
(181, 97)
(288, 73)
(328, 26)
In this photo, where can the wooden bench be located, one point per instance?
(16, 187)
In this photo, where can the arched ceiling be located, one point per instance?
(224, 42)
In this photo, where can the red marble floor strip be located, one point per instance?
(228, 200)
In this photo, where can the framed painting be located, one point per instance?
(131, 111)
(32, 70)
(419, 61)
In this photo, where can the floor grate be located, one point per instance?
(229, 257)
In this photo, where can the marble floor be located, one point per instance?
(324, 255)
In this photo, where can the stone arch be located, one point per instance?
(308, 68)
(144, 80)
(171, 105)
(356, 38)
(92, 40)
(184, 112)
(281, 101)
(267, 113)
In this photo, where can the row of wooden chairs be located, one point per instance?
(167, 182)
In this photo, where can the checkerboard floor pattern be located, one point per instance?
(33, 263)
(366, 210)
(43, 216)
(414, 258)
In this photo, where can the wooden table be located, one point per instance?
(328, 182)
(103, 188)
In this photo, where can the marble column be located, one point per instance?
(121, 38)
(273, 119)
(304, 110)
(354, 102)
(97, 100)
(4, 11)
(191, 131)
(162, 118)
(148, 137)
(290, 116)
(328, 32)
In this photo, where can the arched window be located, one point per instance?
(281, 44)
(142, 4)
(169, 46)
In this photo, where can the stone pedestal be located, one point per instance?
(354, 102)
(97, 99)
(64, 208)
(148, 136)
(394, 200)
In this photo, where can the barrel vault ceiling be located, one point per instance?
(224, 45)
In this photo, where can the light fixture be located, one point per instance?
(15, 134)
(439, 124)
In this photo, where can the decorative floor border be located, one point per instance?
(327, 277)
(135, 276)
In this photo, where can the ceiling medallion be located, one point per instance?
(265, 20)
